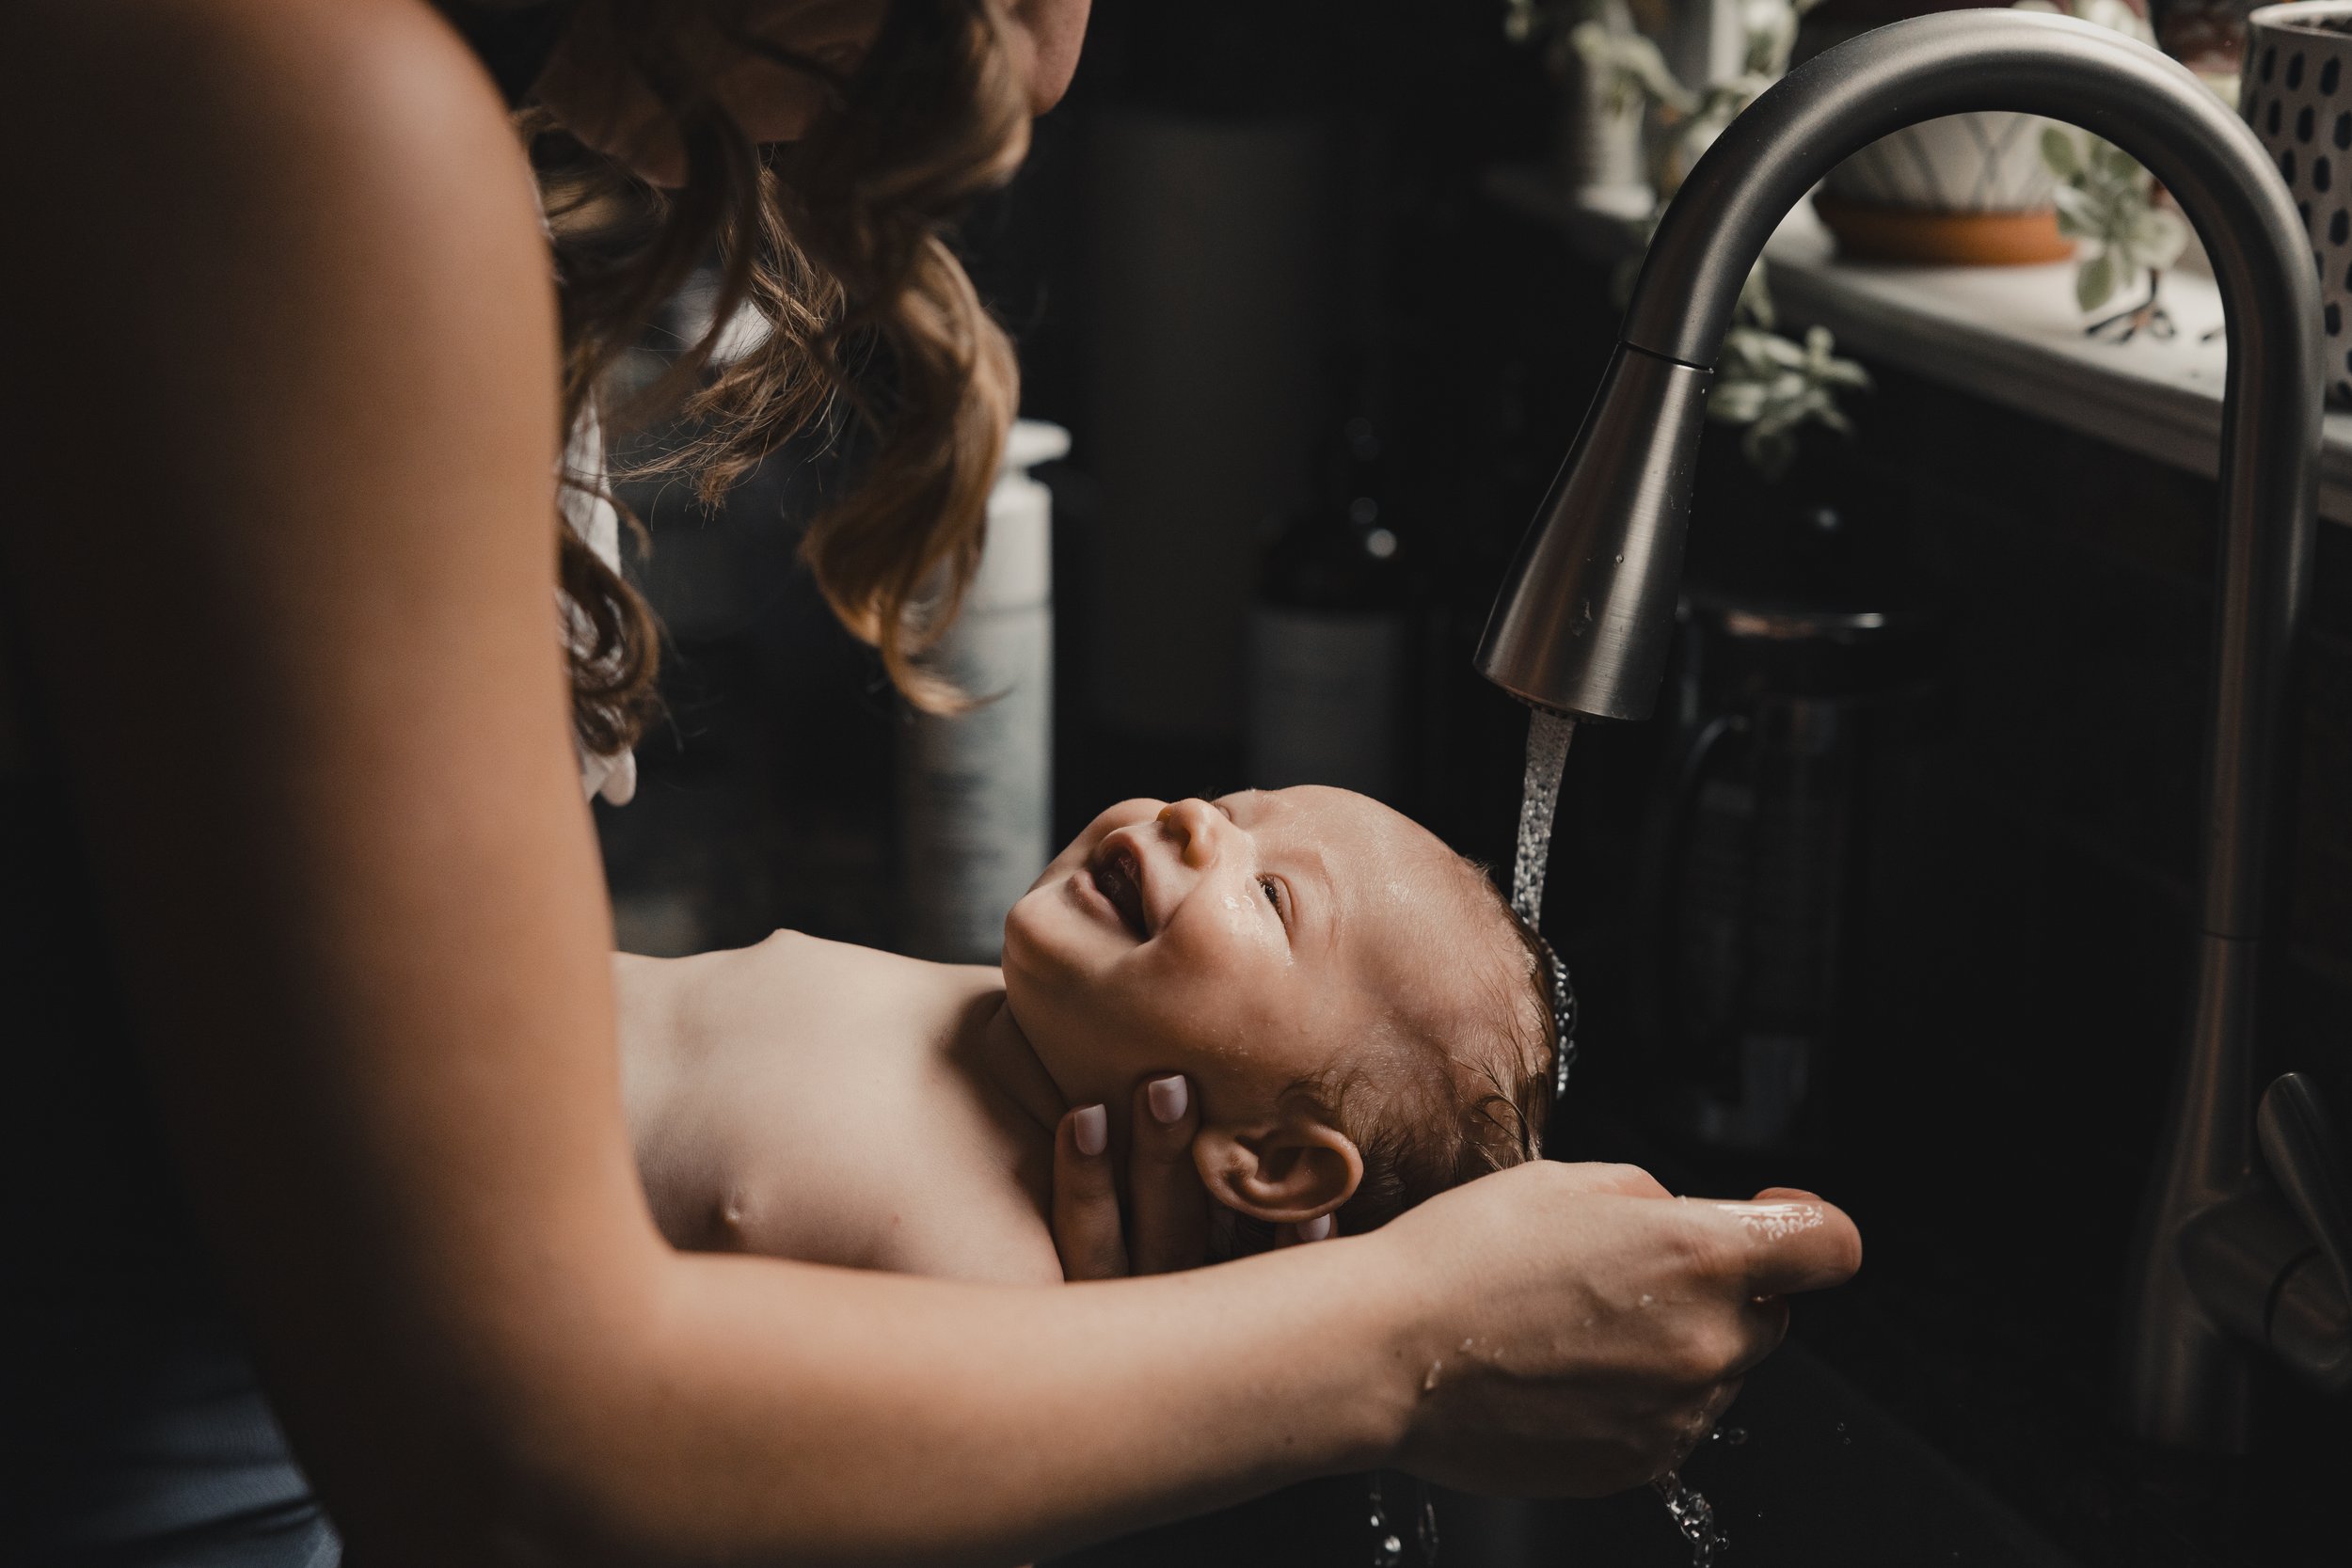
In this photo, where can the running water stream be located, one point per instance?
(1547, 737)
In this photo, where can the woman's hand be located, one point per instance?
(1167, 1223)
(1581, 1329)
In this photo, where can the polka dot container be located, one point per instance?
(2296, 93)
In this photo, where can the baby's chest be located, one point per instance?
(978, 1227)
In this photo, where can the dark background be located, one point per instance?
(1995, 1096)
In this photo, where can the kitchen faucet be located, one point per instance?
(1582, 623)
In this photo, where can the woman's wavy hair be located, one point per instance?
(838, 242)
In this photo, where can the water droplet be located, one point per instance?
(1694, 1517)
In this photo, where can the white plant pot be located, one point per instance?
(1986, 162)
(1965, 189)
(1600, 148)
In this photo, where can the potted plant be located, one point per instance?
(1967, 189)
(1598, 145)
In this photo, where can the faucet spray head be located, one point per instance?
(1584, 618)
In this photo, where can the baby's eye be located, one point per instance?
(1273, 890)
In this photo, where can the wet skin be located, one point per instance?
(368, 947)
(1262, 933)
(900, 1115)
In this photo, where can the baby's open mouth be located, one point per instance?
(1119, 877)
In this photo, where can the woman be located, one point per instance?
(307, 937)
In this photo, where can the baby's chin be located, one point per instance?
(1077, 1077)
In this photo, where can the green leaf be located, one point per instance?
(2058, 153)
(2077, 213)
(1735, 402)
(2094, 281)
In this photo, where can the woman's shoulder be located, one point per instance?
(311, 81)
(254, 200)
(195, 35)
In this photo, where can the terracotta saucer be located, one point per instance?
(1869, 232)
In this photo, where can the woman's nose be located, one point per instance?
(1194, 823)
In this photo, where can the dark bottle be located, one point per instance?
(1331, 638)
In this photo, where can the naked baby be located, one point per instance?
(1344, 1010)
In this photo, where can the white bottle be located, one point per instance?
(976, 790)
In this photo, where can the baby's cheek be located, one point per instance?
(1269, 1027)
(1252, 922)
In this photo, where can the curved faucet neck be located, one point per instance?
(1956, 61)
(1582, 620)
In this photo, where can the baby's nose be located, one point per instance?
(1194, 822)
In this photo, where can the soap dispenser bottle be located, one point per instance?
(976, 788)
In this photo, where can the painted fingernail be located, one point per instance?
(1317, 1229)
(1170, 1097)
(1091, 1127)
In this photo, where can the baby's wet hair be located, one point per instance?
(1456, 1109)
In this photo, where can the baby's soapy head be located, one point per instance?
(1362, 1018)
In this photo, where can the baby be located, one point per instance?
(1350, 1009)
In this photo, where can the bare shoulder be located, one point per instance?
(294, 245)
(305, 137)
(215, 70)
(789, 964)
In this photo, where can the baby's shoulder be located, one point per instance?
(785, 967)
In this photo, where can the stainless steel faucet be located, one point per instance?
(1583, 620)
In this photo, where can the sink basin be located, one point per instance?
(1824, 1479)
(1824, 1476)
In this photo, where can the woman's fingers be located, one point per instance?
(1666, 1304)
(1786, 1195)
(1166, 1226)
(1086, 1199)
(1168, 1206)
(1799, 1243)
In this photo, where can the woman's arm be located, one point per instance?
(282, 550)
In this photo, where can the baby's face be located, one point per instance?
(1249, 941)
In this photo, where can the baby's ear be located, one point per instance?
(1286, 1172)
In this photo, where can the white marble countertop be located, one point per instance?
(2008, 335)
